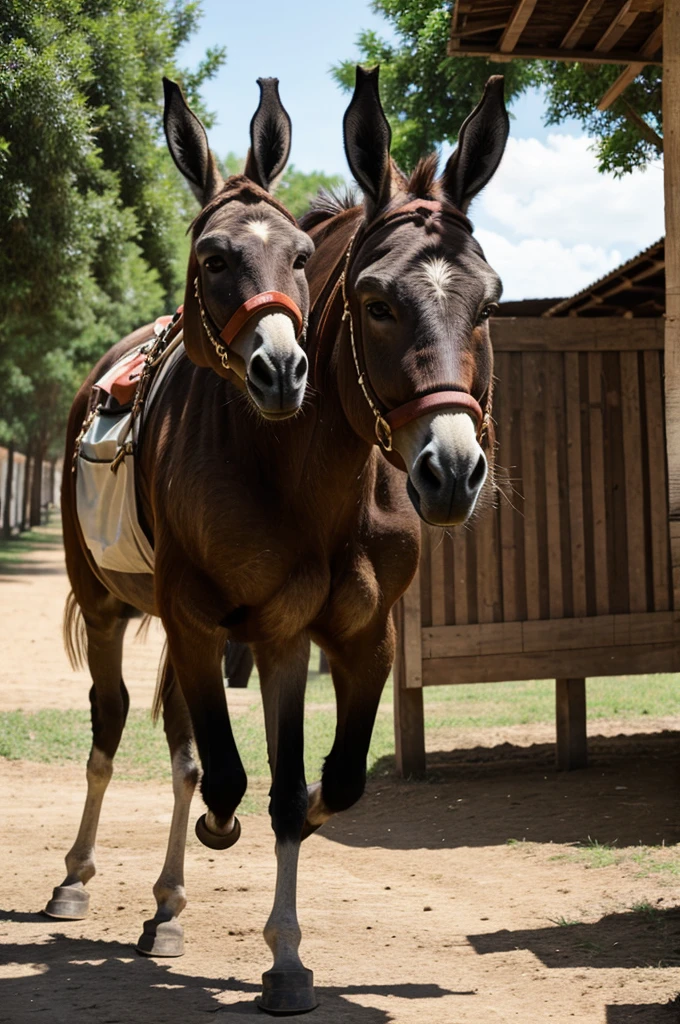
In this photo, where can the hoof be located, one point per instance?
(161, 938)
(214, 841)
(285, 993)
(69, 903)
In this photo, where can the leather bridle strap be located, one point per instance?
(267, 302)
(447, 398)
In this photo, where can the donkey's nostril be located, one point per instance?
(428, 475)
(259, 372)
(301, 368)
(477, 474)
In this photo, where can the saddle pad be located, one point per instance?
(122, 379)
(106, 500)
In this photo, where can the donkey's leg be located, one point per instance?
(238, 664)
(360, 667)
(109, 704)
(196, 654)
(163, 935)
(287, 986)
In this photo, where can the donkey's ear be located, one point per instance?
(270, 134)
(367, 140)
(188, 144)
(481, 143)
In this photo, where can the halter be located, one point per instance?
(445, 398)
(271, 302)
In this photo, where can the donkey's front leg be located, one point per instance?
(288, 986)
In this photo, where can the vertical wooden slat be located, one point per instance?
(575, 482)
(437, 577)
(411, 636)
(599, 523)
(425, 576)
(409, 721)
(632, 455)
(485, 539)
(504, 413)
(656, 463)
(615, 484)
(554, 380)
(675, 561)
(671, 145)
(460, 575)
(449, 580)
(570, 714)
(531, 548)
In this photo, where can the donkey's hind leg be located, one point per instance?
(163, 935)
(109, 706)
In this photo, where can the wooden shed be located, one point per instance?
(571, 574)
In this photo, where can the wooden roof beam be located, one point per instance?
(516, 25)
(619, 26)
(652, 46)
(590, 10)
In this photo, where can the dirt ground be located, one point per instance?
(461, 900)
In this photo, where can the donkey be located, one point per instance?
(310, 529)
(244, 317)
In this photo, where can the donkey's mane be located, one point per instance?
(422, 183)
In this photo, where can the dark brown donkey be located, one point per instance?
(277, 534)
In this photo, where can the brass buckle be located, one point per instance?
(383, 432)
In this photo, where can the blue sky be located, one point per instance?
(549, 223)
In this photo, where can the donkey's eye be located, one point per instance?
(487, 312)
(379, 311)
(300, 260)
(214, 264)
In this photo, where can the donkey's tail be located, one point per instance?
(164, 681)
(75, 635)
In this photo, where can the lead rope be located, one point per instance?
(383, 431)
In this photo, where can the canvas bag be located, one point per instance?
(106, 497)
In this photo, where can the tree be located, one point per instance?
(428, 94)
(92, 213)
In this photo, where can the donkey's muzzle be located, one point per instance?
(277, 371)
(444, 485)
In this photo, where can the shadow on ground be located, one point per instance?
(649, 938)
(487, 796)
(633, 1013)
(79, 981)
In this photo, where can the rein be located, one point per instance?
(445, 398)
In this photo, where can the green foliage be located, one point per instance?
(427, 94)
(92, 211)
(295, 189)
(574, 90)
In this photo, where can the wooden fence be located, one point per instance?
(20, 489)
(573, 575)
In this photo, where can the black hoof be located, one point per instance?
(69, 903)
(285, 993)
(214, 841)
(161, 938)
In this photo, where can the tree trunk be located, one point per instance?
(7, 503)
(36, 485)
(25, 498)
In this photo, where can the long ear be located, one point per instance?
(188, 144)
(270, 134)
(367, 140)
(481, 143)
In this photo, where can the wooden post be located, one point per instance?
(570, 714)
(7, 503)
(409, 722)
(671, 133)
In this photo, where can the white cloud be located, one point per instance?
(550, 224)
(553, 190)
(536, 268)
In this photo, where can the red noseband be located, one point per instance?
(432, 403)
(272, 302)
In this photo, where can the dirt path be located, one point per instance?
(458, 901)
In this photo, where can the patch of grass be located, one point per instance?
(597, 855)
(17, 548)
(562, 922)
(657, 860)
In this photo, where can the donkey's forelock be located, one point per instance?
(240, 189)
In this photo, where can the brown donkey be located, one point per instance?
(244, 317)
(275, 534)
